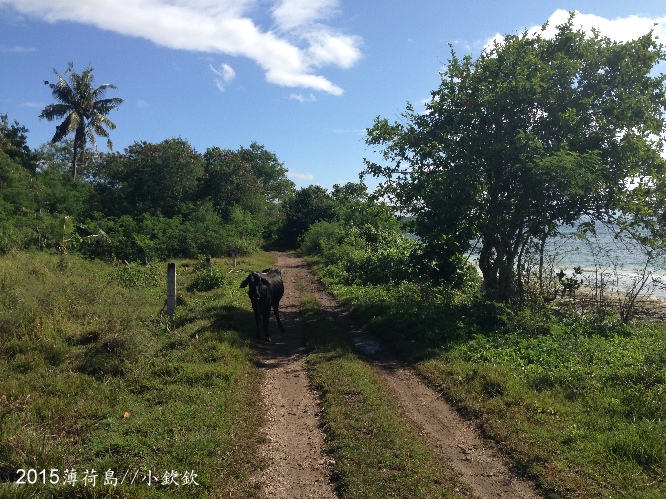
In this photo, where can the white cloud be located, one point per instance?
(620, 29)
(288, 79)
(299, 175)
(302, 98)
(289, 55)
(290, 14)
(17, 49)
(329, 48)
(225, 72)
(225, 75)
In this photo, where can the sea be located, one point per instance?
(617, 264)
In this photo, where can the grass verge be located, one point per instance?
(100, 397)
(377, 452)
(577, 403)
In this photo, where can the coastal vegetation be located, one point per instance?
(535, 135)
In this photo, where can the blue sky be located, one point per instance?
(304, 78)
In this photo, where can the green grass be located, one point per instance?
(577, 403)
(377, 452)
(586, 414)
(93, 377)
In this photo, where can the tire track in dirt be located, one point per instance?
(297, 465)
(456, 440)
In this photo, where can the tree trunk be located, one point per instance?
(487, 266)
(79, 144)
(542, 249)
(496, 262)
(74, 160)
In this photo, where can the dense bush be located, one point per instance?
(152, 202)
(362, 255)
(361, 240)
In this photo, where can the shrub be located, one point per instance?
(134, 275)
(204, 280)
(322, 238)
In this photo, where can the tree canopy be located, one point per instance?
(533, 134)
(152, 201)
(307, 206)
(14, 143)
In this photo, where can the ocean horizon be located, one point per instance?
(604, 260)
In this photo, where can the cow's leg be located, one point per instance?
(257, 318)
(277, 317)
(266, 316)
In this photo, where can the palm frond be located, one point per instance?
(63, 129)
(91, 136)
(106, 105)
(100, 119)
(83, 106)
(55, 111)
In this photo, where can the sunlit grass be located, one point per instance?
(588, 404)
(377, 452)
(577, 403)
(94, 377)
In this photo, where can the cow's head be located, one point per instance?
(254, 281)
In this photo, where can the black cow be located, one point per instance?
(265, 291)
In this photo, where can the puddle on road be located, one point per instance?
(366, 345)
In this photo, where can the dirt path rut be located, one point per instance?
(298, 466)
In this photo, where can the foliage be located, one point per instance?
(390, 260)
(84, 108)
(155, 237)
(307, 205)
(324, 239)
(16, 195)
(531, 135)
(231, 182)
(152, 202)
(584, 393)
(157, 179)
(363, 241)
(14, 143)
(32, 203)
(269, 170)
(242, 233)
(135, 275)
(207, 281)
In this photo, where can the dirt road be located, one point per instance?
(298, 465)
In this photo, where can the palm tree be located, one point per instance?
(83, 108)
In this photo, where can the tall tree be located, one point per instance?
(158, 179)
(230, 182)
(533, 134)
(269, 170)
(83, 107)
